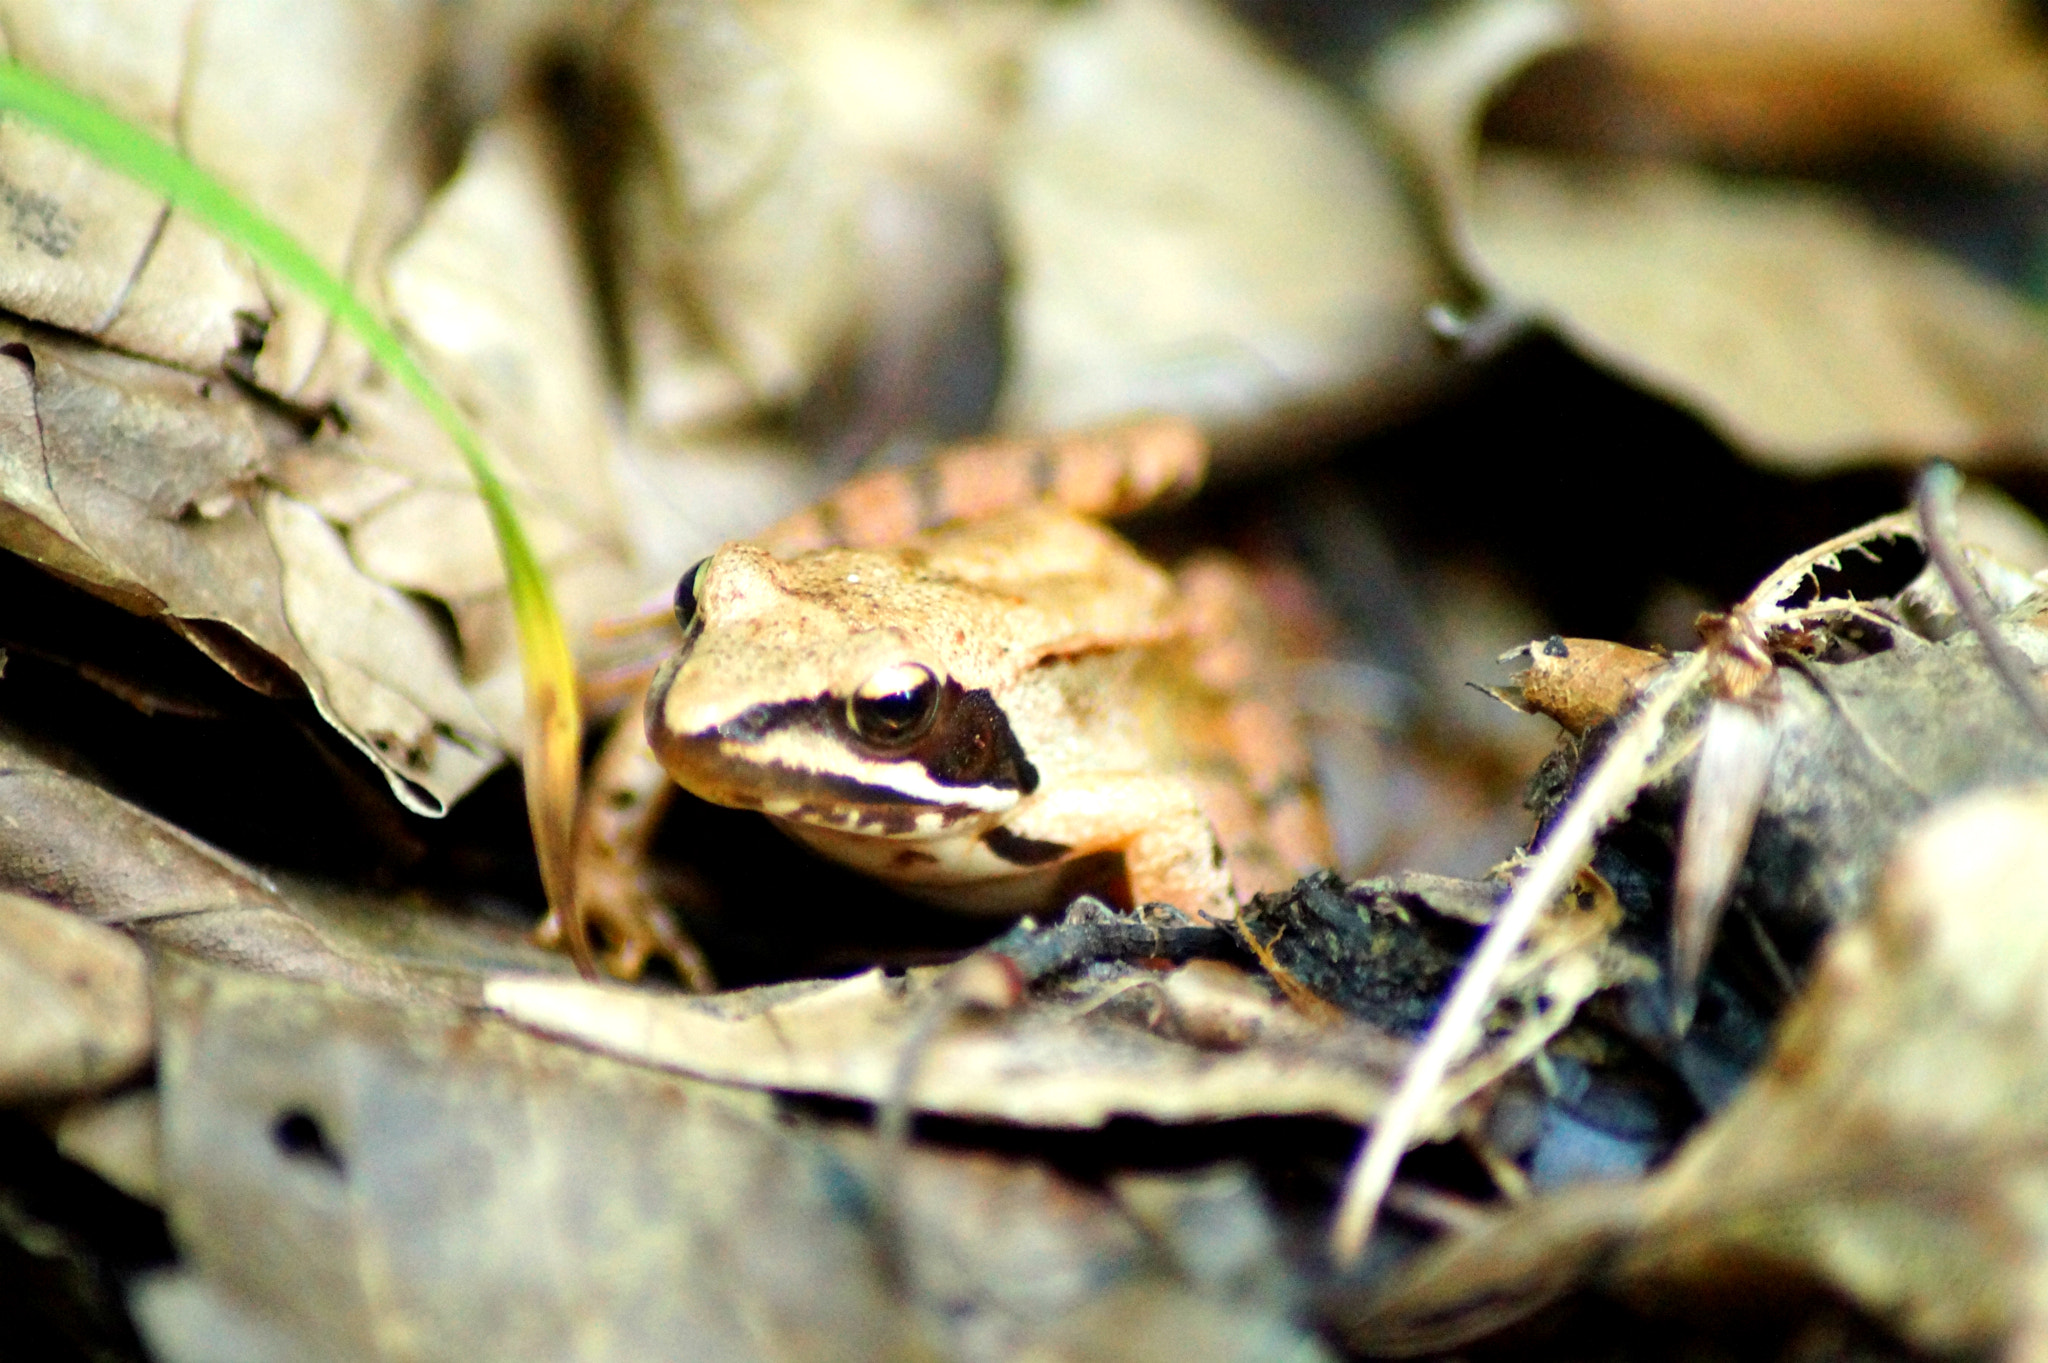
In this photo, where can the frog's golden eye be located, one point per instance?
(895, 706)
(686, 595)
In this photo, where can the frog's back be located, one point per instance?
(1178, 674)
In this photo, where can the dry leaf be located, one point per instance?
(1197, 229)
(486, 276)
(448, 1178)
(1580, 683)
(1039, 1066)
(65, 840)
(1889, 1148)
(774, 133)
(143, 485)
(1892, 1144)
(1782, 315)
(244, 90)
(452, 1179)
(1801, 79)
(491, 285)
(74, 1004)
(1864, 747)
(117, 1138)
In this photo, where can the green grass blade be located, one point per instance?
(554, 726)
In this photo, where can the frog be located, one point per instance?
(958, 680)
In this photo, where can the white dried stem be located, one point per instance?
(1604, 795)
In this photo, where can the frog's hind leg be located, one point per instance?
(1254, 770)
(1104, 473)
(624, 796)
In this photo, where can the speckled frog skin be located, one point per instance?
(975, 716)
(992, 709)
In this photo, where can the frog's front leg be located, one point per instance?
(624, 796)
(1156, 822)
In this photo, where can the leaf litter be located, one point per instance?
(1135, 1150)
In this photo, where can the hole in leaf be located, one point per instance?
(300, 1136)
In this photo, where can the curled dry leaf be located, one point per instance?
(66, 841)
(1782, 315)
(490, 284)
(1922, 1032)
(486, 276)
(1863, 747)
(144, 485)
(74, 1004)
(117, 1138)
(1202, 1042)
(1579, 683)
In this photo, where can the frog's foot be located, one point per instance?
(629, 926)
(1156, 823)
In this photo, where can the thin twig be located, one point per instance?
(1934, 500)
(1605, 794)
(986, 981)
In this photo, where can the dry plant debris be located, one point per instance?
(1883, 1149)
(1765, 1029)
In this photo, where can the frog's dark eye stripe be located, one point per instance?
(686, 595)
(967, 743)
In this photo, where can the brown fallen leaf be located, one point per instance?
(1803, 331)
(451, 1176)
(1864, 747)
(1891, 1144)
(1800, 80)
(142, 484)
(74, 1004)
(788, 156)
(1577, 682)
(1041, 1066)
(491, 284)
(118, 1138)
(486, 275)
(67, 841)
(422, 1159)
(1167, 258)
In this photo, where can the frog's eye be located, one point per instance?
(686, 595)
(894, 706)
